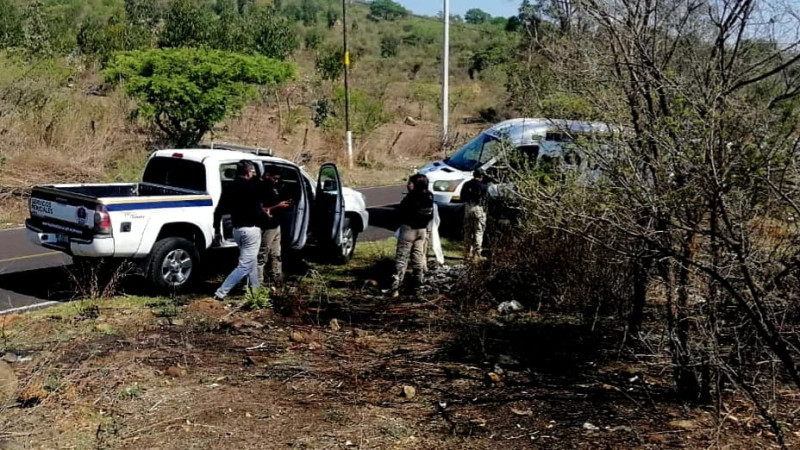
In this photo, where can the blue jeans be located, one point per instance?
(249, 240)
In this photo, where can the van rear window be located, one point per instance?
(176, 172)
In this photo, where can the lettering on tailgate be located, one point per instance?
(41, 207)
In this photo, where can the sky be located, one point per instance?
(503, 8)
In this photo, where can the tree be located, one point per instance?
(308, 12)
(313, 39)
(36, 33)
(272, 35)
(230, 30)
(387, 10)
(143, 12)
(329, 63)
(186, 91)
(187, 23)
(10, 24)
(477, 16)
(99, 40)
(331, 17)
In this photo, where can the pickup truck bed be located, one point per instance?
(98, 191)
(74, 218)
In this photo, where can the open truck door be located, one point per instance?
(329, 207)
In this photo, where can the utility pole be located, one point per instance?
(446, 73)
(348, 133)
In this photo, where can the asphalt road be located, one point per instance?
(33, 276)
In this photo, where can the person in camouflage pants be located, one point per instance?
(475, 196)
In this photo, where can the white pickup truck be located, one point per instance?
(165, 223)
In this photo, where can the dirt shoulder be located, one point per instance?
(337, 364)
(340, 367)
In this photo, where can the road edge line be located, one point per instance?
(25, 308)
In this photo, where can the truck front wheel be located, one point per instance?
(343, 253)
(173, 264)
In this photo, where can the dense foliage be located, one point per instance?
(186, 91)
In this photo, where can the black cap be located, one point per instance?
(478, 173)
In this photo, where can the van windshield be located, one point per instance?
(475, 153)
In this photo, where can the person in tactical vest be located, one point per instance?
(416, 212)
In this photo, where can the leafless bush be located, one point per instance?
(97, 278)
(697, 189)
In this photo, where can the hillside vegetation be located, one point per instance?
(62, 121)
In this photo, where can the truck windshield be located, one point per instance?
(475, 153)
(176, 172)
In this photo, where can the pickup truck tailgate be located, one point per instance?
(69, 215)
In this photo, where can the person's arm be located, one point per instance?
(282, 205)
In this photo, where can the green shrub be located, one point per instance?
(420, 33)
(476, 16)
(389, 45)
(314, 38)
(36, 32)
(566, 105)
(272, 35)
(331, 17)
(366, 112)
(146, 13)
(187, 24)
(330, 63)
(10, 24)
(257, 298)
(186, 91)
(100, 41)
(386, 10)
(230, 32)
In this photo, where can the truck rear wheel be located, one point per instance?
(173, 265)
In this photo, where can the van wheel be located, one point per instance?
(344, 253)
(173, 265)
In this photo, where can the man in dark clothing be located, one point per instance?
(416, 212)
(475, 196)
(243, 202)
(270, 252)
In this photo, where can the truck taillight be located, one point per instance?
(102, 220)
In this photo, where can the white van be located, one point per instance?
(531, 140)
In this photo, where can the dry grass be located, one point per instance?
(64, 132)
(13, 211)
(73, 137)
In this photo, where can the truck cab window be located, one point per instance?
(176, 172)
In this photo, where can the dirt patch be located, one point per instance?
(207, 307)
(8, 383)
(388, 375)
(8, 319)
